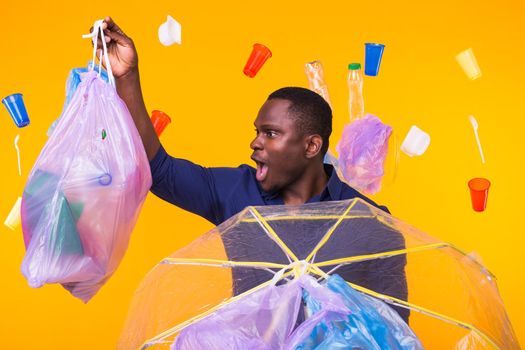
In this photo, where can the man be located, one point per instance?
(292, 131)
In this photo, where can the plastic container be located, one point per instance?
(13, 219)
(170, 32)
(373, 55)
(469, 64)
(356, 103)
(259, 55)
(160, 121)
(416, 142)
(16, 108)
(479, 192)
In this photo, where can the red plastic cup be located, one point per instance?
(479, 192)
(160, 121)
(259, 55)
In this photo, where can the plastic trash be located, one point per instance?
(13, 219)
(160, 121)
(170, 32)
(479, 193)
(356, 103)
(315, 74)
(416, 142)
(17, 137)
(17, 109)
(475, 126)
(76, 229)
(467, 60)
(342, 318)
(261, 320)
(72, 82)
(373, 55)
(362, 152)
(266, 318)
(259, 55)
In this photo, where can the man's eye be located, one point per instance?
(271, 133)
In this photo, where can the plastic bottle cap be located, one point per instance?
(354, 66)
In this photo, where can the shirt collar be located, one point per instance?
(334, 186)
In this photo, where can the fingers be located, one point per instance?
(113, 32)
(99, 42)
(112, 26)
(116, 37)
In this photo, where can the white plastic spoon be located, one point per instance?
(17, 137)
(474, 123)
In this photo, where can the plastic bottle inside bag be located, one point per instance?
(356, 103)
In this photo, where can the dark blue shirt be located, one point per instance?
(219, 193)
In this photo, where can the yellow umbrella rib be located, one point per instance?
(273, 235)
(383, 221)
(359, 258)
(316, 217)
(329, 233)
(423, 310)
(192, 320)
(221, 263)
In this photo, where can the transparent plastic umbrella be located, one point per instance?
(452, 299)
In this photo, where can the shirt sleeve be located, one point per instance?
(184, 184)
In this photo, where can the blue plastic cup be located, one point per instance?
(373, 54)
(15, 106)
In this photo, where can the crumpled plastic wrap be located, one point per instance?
(362, 150)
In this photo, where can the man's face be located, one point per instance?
(278, 148)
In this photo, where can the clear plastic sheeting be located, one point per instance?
(448, 299)
(84, 193)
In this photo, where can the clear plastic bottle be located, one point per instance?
(314, 72)
(356, 103)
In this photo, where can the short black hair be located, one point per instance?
(312, 113)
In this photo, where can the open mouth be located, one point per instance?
(262, 170)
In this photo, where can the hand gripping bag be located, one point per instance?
(85, 191)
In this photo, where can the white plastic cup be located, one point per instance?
(13, 219)
(170, 32)
(469, 64)
(416, 142)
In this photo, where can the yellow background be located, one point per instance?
(212, 104)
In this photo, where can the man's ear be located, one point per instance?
(314, 143)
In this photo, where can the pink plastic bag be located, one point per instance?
(259, 321)
(362, 152)
(339, 317)
(84, 193)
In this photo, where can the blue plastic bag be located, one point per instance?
(362, 323)
(338, 318)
